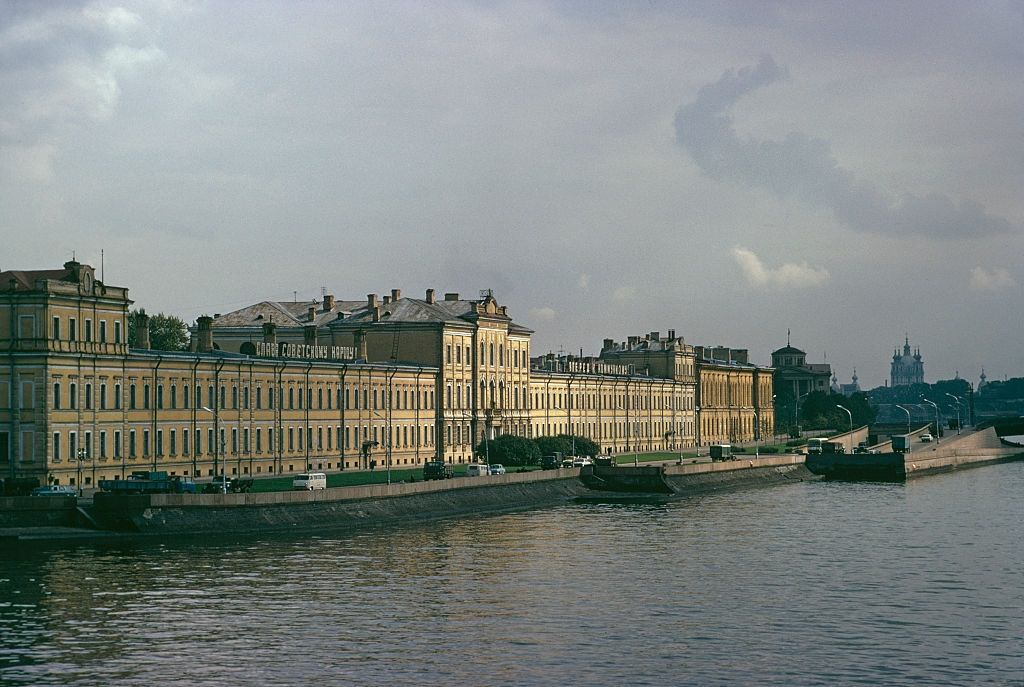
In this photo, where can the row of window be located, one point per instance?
(404, 399)
(457, 353)
(290, 439)
(87, 330)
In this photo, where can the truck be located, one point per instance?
(833, 447)
(437, 469)
(720, 452)
(901, 443)
(815, 446)
(149, 482)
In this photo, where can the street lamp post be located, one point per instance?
(757, 435)
(956, 399)
(218, 448)
(696, 428)
(936, 406)
(850, 416)
(908, 417)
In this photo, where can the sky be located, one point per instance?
(850, 173)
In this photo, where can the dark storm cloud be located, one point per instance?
(805, 168)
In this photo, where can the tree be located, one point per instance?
(166, 332)
(821, 411)
(509, 449)
(567, 445)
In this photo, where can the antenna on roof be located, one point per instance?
(295, 296)
(787, 336)
(103, 272)
(486, 293)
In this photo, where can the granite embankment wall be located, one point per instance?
(956, 452)
(336, 507)
(694, 478)
(38, 511)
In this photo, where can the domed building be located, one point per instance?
(907, 368)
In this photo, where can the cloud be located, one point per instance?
(544, 314)
(995, 279)
(623, 294)
(789, 275)
(805, 168)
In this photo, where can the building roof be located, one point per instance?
(416, 311)
(789, 350)
(286, 313)
(27, 279)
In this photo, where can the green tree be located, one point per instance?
(508, 449)
(166, 332)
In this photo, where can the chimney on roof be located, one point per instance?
(371, 300)
(396, 294)
(633, 341)
(376, 313)
(387, 299)
(430, 296)
(328, 302)
(360, 344)
(608, 345)
(671, 334)
(142, 330)
(655, 336)
(311, 313)
(451, 296)
(204, 330)
(269, 333)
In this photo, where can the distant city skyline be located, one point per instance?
(728, 170)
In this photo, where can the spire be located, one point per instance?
(787, 336)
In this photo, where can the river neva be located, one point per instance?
(805, 584)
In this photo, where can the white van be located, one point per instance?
(308, 481)
(477, 469)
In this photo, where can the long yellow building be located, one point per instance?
(277, 388)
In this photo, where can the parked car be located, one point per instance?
(497, 469)
(606, 461)
(309, 481)
(580, 461)
(926, 437)
(55, 490)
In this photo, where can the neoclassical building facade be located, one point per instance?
(277, 388)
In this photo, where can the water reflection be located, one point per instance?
(812, 583)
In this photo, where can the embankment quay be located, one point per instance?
(118, 515)
(954, 452)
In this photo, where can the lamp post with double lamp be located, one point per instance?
(796, 411)
(956, 399)
(935, 405)
(80, 458)
(387, 442)
(850, 416)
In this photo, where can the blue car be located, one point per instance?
(55, 490)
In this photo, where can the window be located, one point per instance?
(88, 330)
(131, 396)
(73, 396)
(174, 396)
(234, 440)
(103, 396)
(56, 395)
(223, 395)
(245, 440)
(245, 397)
(88, 396)
(145, 396)
(117, 443)
(145, 442)
(103, 444)
(56, 447)
(117, 331)
(234, 397)
(88, 445)
(131, 443)
(56, 328)
(174, 442)
(259, 435)
(184, 396)
(199, 442)
(72, 446)
(159, 442)
(458, 354)
(184, 442)
(103, 331)
(72, 329)
(259, 398)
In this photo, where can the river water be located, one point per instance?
(804, 584)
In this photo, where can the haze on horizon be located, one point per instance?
(850, 172)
